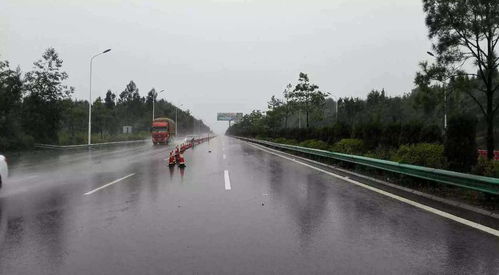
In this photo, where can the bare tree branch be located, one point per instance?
(478, 102)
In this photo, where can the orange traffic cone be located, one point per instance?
(181, 161)
(177, 152)
(171, 160)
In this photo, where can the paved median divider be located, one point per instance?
(479, 183)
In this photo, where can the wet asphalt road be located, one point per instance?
(277, 217)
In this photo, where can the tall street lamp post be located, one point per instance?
(445, 95)
(336, 106)
(90, 98)
(154, 100)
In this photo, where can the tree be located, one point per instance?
(274, 114)
(110, 100)
(287, 107)
(467, 31)
(151, 96)
(46, 91)
(131, 101)
(75, 119)
(129, 94)
(460, 145)
(307, 96)
(99, 116)
(11, 93)
(350, 107)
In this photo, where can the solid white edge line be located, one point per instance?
(227, 180)
(108, 184)
(393, 196)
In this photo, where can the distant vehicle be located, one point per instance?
(189, 138)
(4, 170)
(162, 130)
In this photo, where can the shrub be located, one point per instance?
(26, 141)
(431, 134)
(285, 141)
(325, 134)
(381, 153)
(358, 131)
(341, 130)
(371, 134)
(19, 142)
(349, 146)
(423, 154)
(391, 135)
(299, 134)
(460, 144)
(260, 137)
(316, 144)
(4, 144)
(485, 167)
(411, 132)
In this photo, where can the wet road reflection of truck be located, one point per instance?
(163, 129)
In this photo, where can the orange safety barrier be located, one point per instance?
(176, 156)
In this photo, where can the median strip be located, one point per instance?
(108, 184)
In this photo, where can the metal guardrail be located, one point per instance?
(50, 146)
(468, 181)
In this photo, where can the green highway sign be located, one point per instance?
(229, 116)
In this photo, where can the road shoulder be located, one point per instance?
(461, 210)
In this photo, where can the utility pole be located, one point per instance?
(444, 82)
(154, 100)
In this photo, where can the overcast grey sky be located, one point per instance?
(221, 55)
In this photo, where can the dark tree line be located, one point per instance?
(381, 124)
(37, 107)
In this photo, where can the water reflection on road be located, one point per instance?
(279, 217)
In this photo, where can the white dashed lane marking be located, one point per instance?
(108, 184)
(227, 180)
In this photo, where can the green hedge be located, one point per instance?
(350, 146)
(423, 154)
(373, 134)
(316, 144)
(485, 167)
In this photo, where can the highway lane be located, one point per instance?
(233, 209)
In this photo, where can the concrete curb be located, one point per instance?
(62, 147)
(394, 186)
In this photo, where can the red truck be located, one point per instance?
(162, 130)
